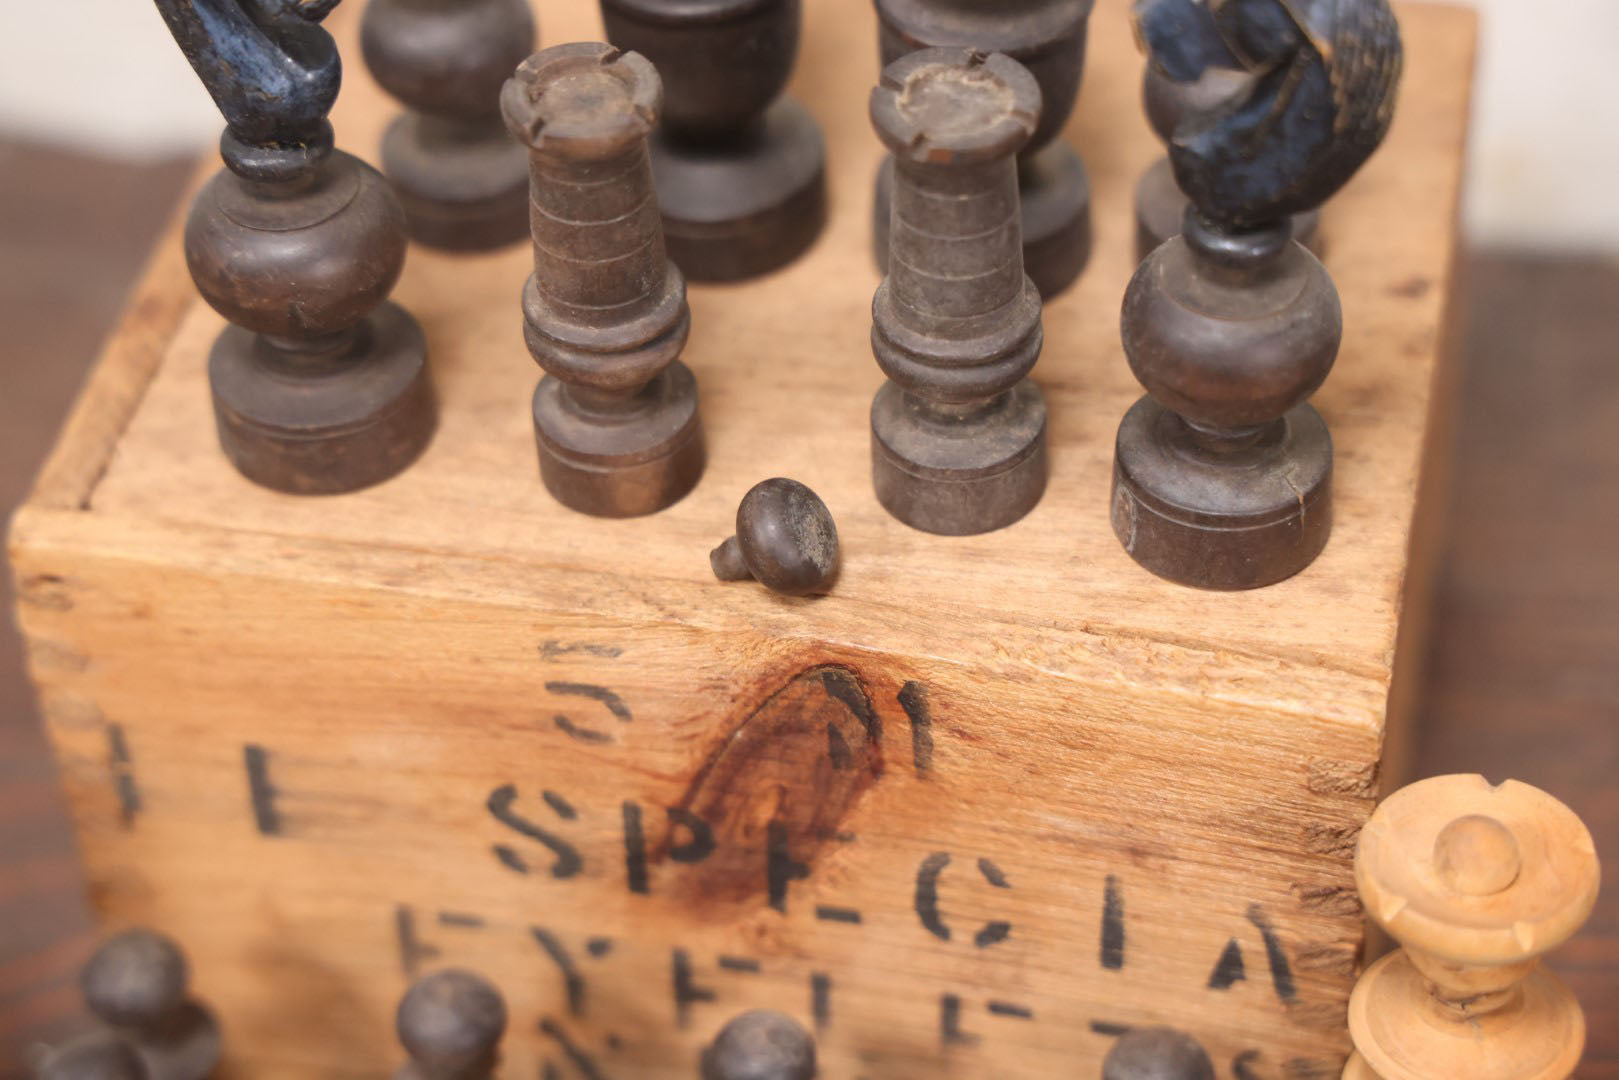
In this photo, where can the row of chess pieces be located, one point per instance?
(1475, 880)
(672, 153)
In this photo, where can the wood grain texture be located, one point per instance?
(333, 711)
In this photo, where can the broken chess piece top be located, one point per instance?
(785, 539)
(760, 1045)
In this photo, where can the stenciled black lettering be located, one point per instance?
(599, 694)
(927, 894)
(700, 842)
(781, 869)
(1229, 969)
(1112, 947)
(588, 1069)
(123, 776)
(567, 862)
(635, 850)
(950, 1031)
(687, 992)
(572, 980)
(821, 999)
(913, 698)
(1007, 1008)
(413, 952)
(1281, 972)
(261, 793)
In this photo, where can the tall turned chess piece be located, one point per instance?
(1222, 476)
(460, 177)
(1476, 881)
(1157, 1053)
(1047, 37)
(958, 433)
(1160, 202)
(760, 1045)
(616, 414)
(320, 385)
(741, 170)
(450, 1023)
(136, 985)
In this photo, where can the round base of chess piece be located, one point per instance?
(616, 458)
(1054, 202)
(739, 207)
(1161, 207)
(1400, 1029)
(1233, 520)
(324, 423)
(959, 475)
(1054, 193)
(463, 186)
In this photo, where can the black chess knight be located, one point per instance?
(320, 385)
(1222, 475)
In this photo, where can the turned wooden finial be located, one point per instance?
(1476, 881)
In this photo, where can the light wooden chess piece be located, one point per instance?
(1476, 881)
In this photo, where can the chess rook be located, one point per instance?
(958, 432)
(1476, 881)
(320, 385)
(136, 984)
(1160, 202)
(450, 1023)
(760, 1045)
(740, 169)
(1048, 37)
(605, 311)
(1223, 473)
(460, 177)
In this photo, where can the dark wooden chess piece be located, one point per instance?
(135, 983)
(1157, 1053)
(461, 178)
(1222, 476)
(1047, 37)
(760, 1045)
(320, 385)
(1160, 202)
(97, 1056)
(785, 539)
(741, 170)
(958, 433)
(450, 1022)
(605, 310)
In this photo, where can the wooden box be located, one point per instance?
(992, 801)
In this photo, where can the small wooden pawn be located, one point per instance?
(1476, 881)
(760, 1045)
(740, 168)
(136, 984)
(450, 1023)
(958, 433)
(1157, 1053)
(1048, 37)
(1160, 202)
(605, 311)
(461, 178)
(98, 1056)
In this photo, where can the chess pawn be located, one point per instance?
(460, 177)
(1157, 1053)
(99, 1056)
(135, 983)
(1160, 202)
(1476, 881)
(760, 1045)
(1048, 37)
(605, 310)
(740, 169)
(450, 1022)
(1222, 474)
(958, 433)
(320, 385)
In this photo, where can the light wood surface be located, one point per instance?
(395, 658)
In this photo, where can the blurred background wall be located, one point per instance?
(102, 75)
